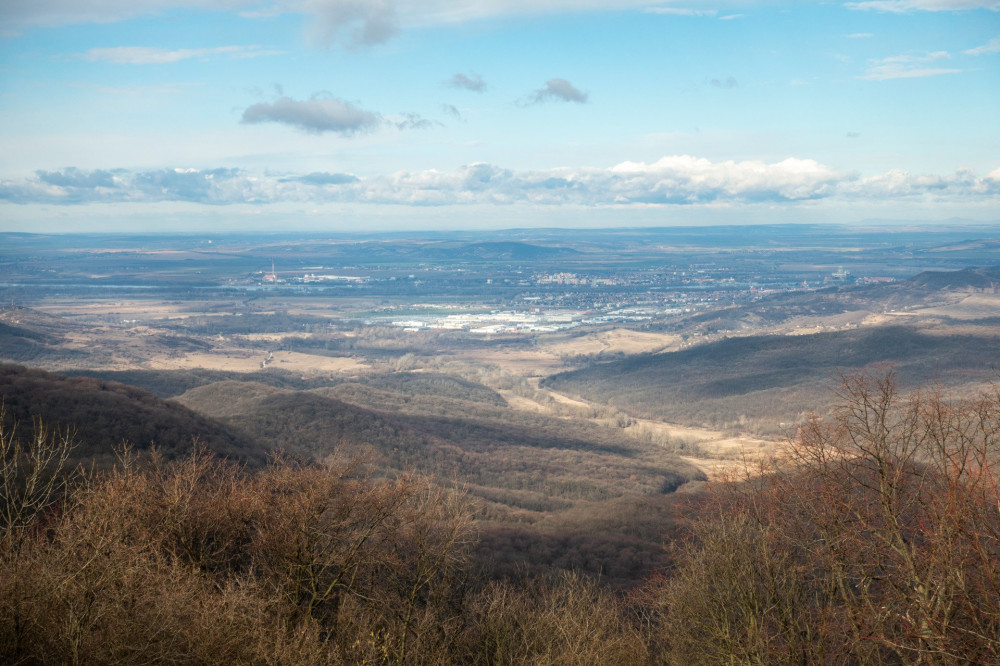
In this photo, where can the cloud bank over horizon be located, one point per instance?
(679, 180)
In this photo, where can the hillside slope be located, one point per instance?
(773, 379)
(551, 492)
(479, 444)
(106, 414)
(919, 294)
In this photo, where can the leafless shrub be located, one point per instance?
(879, 542)
(569, 621)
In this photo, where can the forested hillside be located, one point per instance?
(764, 381)
(550, 492)
(876, 542)
(106, 415)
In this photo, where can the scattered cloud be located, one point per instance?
(316, 115)
(470, 81)
(407, 121)
(854, 135)
(322, 113)
(144, 55)
(680, 11)
(452, 110)
(908, 67)
(350, 23)
(860, 35)
(992, 46)
(559, 90)
(905, 6)
(677, 180)
(732, 17)
(727, 83)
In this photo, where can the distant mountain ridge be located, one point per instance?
(501, 250)
(970, 278)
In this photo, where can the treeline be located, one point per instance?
(876, 542)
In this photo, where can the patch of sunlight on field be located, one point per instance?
(974, 306)
(234, 361)
(614, 341)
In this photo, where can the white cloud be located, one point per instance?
(677, 180)
(992, 46)
(908, 66)
(144, 55)
(316, 115)
(859, 35)
(905, 6)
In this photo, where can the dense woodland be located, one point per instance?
(877, 541)
(549, 493)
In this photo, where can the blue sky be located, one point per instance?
(341, 115)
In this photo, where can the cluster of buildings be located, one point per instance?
(574, 279)
(496, 322)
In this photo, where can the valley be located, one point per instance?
(560, 382)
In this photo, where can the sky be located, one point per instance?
(370, 115)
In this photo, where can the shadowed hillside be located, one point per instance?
(970, 278)
(551, 493)
(773, 378)
(480, 444)
(106, 414)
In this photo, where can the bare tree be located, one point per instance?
(32, 474)
(877, 539)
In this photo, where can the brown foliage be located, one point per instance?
(571, 620)
(877, 543)
(197, 561)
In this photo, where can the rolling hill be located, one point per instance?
(105, 414)
(774, 379)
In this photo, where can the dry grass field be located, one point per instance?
(251, 361)
(969, 306)
(618, 340)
